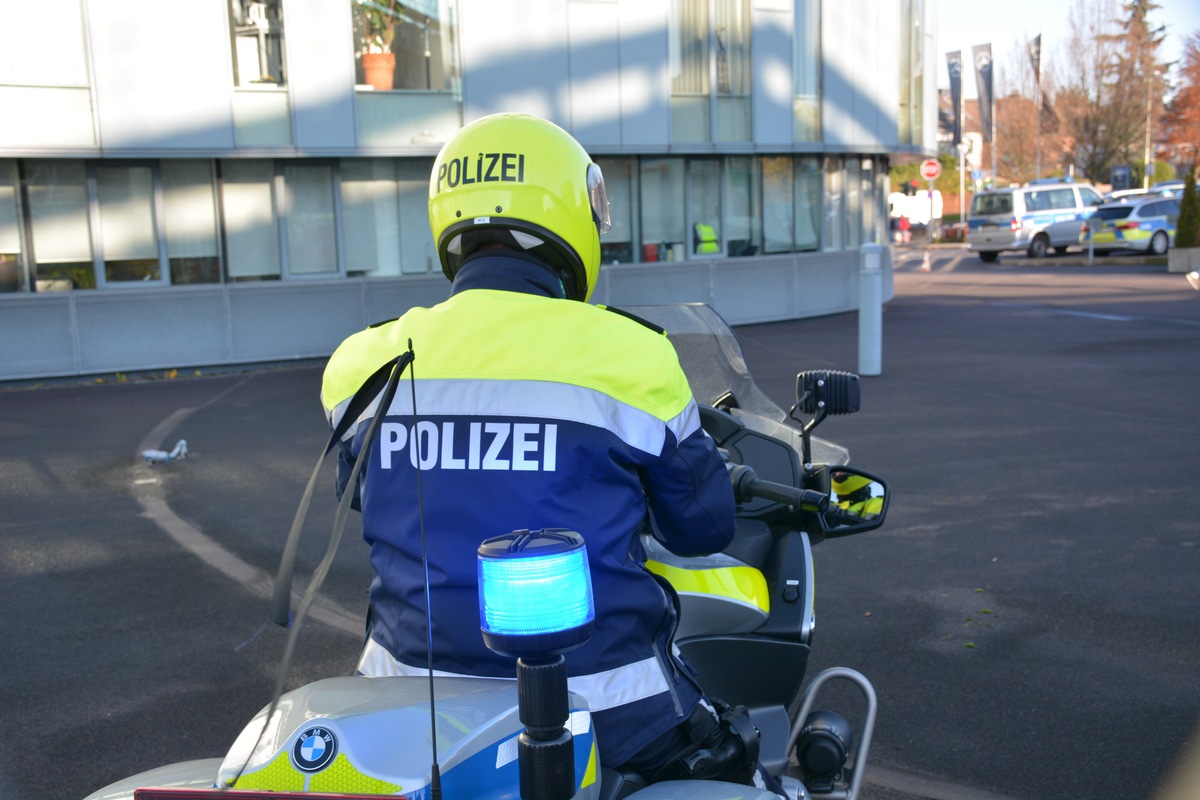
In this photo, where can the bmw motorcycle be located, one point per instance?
(745, 627)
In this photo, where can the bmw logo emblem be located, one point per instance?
(314, 750)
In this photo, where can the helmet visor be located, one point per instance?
(599, 198)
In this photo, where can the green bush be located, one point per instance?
(1187, 229)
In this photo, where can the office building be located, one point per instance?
(189, 183)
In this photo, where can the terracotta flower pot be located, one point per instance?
(379, 70)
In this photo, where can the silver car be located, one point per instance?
(1030, 218)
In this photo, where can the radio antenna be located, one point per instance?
(280, 611)
(435, 774)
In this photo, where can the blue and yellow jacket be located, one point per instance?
(532, 412)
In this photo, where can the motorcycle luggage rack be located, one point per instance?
(847, 791)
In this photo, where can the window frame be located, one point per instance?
(96, 218)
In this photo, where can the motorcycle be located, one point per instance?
(745, 626)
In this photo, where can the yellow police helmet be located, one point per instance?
(519, 179)
(845, 483)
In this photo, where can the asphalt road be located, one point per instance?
(1028, 614)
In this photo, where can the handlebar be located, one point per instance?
(837, 516)
(747, 486)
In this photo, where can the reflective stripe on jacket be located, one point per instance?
(533, 412)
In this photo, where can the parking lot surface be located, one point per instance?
(1027, 614)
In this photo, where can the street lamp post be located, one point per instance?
(1150, 78)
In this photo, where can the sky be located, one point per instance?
(962, 24)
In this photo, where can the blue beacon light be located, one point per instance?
(535, 593)
(535, 603)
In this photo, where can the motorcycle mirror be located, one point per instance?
(858, 502)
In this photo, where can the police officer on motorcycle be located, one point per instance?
(535, 409)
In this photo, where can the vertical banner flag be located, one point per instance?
(983, 87)
(954, 63)
(1035, 58)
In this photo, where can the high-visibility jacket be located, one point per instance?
(532, 412)
(706, 238)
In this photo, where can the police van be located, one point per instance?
(1035, 218)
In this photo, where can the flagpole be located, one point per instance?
(995, 144)
(1037, 74)
(963, 210)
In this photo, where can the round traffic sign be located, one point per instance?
(931, 169)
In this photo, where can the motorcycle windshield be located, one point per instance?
(711, 356)
(712, 359)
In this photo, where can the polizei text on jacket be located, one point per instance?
(505, 446)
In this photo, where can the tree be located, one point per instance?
(1016, 123)
(1026, 152)
(1187, 229)
(1083, 96)
(1137, 66)
(1113, 87)
(1181, 121)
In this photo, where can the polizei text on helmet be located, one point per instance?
(482, 168)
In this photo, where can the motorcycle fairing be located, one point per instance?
(721, 593)
(381, 729)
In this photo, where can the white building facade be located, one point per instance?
(189, 183)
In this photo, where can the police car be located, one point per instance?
(1147, 226)
(1035, 218)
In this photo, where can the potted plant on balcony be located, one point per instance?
(378, 19)
(1185, 255)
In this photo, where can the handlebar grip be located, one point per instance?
(747, 486)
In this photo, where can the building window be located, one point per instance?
(731, 49)
(620, 176)
(912, 72)
(663, 222)
(808, 203)
(257, 29)
(688, 59)
(704, 206)
(832, 231)
(743, 214)
(385, 216)
(792, 189)
(710, 39)
(58, 215)
(371, 210)
(308, 217)
(853, 203)
(190, 221)
(12, 278)
(806, 68)
(248, 211)
(777, 203)
(128, 234)
(405, 45)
